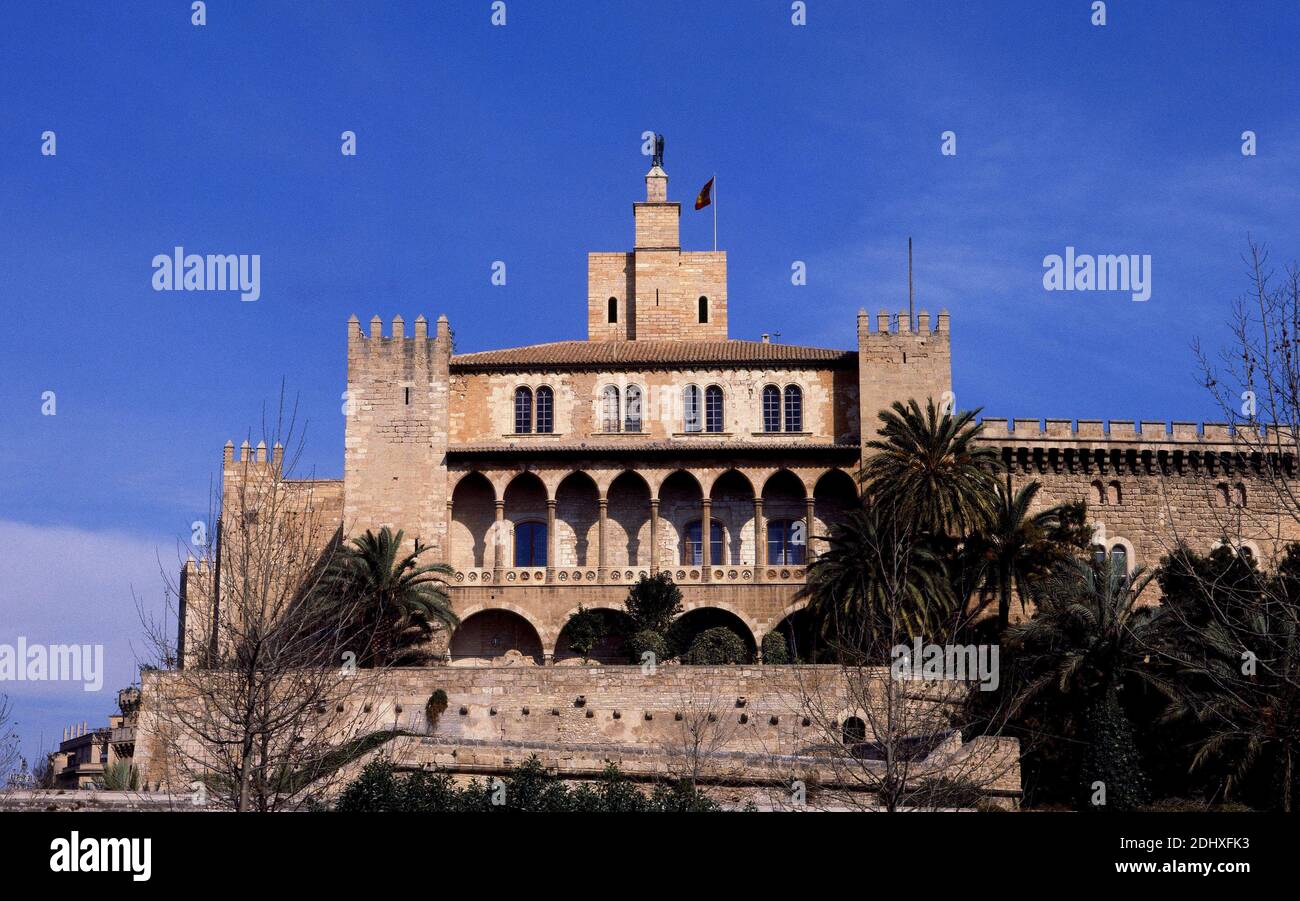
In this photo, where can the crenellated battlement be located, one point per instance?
(248, 454)
(397, 332)
(1127, 431)
(896, 324)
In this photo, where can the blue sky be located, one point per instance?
(522, 143)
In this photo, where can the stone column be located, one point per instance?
(550, 539)
(654, 536)
(706, 537)
(760, 540)
(600, 539)
(808, 531)
(446, 544)
(499, 541)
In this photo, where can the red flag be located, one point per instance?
(706, 195)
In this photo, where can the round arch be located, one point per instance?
(702, 616)
(610, 649)
(487, 633)
(473, 512)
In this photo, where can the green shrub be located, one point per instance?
(653, 603)
(775, 648)
(585, 629)
(648, 640)
(716, 646)
(120, 776)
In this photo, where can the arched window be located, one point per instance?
(523, 410)
(713, 409)
(1247, 553)
(1098, 493)
(691, 408)
(855, 731)
(693, 550)
(609, 409)
(1241, 495)
(545, 410)
(632, 416)
(786, 542)
(1116, 492)
(1119, 559)
(771, 409)
(530, 544)
(704, 308)
(1099, 554)
(1224, 494)
(793, 409)
(613, 309)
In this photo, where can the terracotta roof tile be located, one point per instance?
(633, 353)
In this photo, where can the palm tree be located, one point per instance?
(928, 467)
(1088, 637)
(1016, 548)
(874, 582)
(397, 600)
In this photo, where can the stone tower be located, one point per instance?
(898, 363)
(657, 291)
(395, 443)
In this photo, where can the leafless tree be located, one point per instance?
(260, 704)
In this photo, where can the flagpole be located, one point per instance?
(715, 212)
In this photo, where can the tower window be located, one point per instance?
(545, 410)
(609, 412)
(523, 411)
(713, 409)
(613, 309)
(793, 409)
(632, 419)
(406, 396)
(704, 309)
(691, 408)
(771, 409)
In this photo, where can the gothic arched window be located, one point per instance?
(713, 409)
(793, 409)
(545, 410)
(632, 414)
(691, 408)
(771, 409)
(609, 409)
(523, 410)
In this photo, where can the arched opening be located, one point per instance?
(771, 409)
(627, 525)
(473, 510)
(610, 411)
(490, 634)
(793, 408)
(834, 496)
(785, 501)
(713, 412)
(610, 648)
(545, 410)
(679, 503)
(694, 623)
(1119, 558)
(733, 507)
(704, 308)
(577, 520)
(1098, 494)
(691, 421)
(632, 410)
(855, 731)
(525, 512)
(613, 309)
(801, 639)
(1116, 493)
